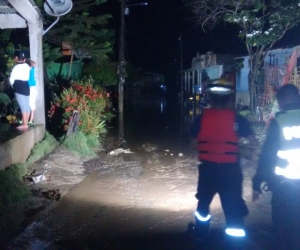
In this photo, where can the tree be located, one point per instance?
(104, 74)
(85, 28)
(261, 24)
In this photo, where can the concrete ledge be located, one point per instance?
(17, 149)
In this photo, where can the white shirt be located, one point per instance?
(21, 72)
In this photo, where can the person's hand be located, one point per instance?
(255, 195)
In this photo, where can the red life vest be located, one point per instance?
(217, 140)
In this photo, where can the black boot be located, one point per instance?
(201, 230)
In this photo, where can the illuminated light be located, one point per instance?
(220, 90)
(201, 218)
(291, 132)
(162, 107)
(292, 155)
(292, 170)
(289, 172)
(236, 232)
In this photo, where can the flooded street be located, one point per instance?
(143, 199)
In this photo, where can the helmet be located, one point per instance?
(20, 54)
(220, 86)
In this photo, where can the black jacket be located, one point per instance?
(268, 156)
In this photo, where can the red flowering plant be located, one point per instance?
(90, 101)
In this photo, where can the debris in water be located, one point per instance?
(33, 177)
(52, 194)
(149, 147)
(119, 151)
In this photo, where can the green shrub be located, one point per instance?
(12, 188)
(248, 115)
(90, 101)
(42, 148)
(93, 141)
(104, 74)
(78, 143)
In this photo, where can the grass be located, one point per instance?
(42, 148)
(82, 144)
(13, 188)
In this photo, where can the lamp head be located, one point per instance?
(57, 7)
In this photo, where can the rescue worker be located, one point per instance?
(216, 133)
(279, 168)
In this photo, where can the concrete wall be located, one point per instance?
(17, 149)
(29, 15)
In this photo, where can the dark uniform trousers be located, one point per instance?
(226, 180)
(286, 213)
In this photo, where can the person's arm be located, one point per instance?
(267, 159)
(245, 131)
(253, 142)
(12, 76)
(195, 128)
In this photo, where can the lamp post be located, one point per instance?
(181, 71)
(121, 72)
(122, 67)
(181, 89)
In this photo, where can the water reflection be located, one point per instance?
(189, 113)
(152, 119)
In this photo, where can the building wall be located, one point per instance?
(54, 69)
(242, 76)
(275, 66)
(208, 64)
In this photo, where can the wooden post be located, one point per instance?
(74, 123)
(70, 67)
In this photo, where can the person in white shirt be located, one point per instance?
(19, 78)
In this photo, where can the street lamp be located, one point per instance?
(129, 5)
(122, 66)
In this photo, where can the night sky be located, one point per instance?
(153, 31)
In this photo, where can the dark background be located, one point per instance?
(153, 31)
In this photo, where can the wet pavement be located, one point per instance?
(143, 199)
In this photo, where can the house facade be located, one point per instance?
(207, 65)
(281, 66)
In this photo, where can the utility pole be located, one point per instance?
(181, 71)
(122, 66)
(181, 90)
(121, 72)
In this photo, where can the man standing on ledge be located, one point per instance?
(217, 131)
(19, 81)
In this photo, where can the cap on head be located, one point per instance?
(288, 93)
(220, 86)
(20, 54)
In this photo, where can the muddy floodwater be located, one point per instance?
(143, 199)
